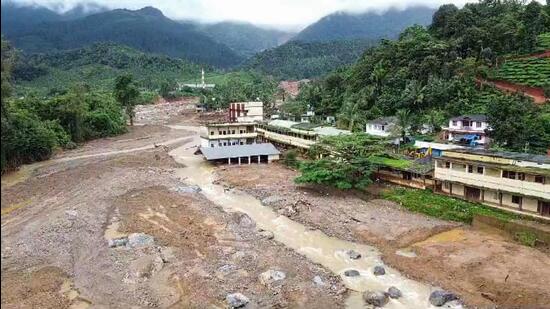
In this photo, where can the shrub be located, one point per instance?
(290, 158)
(526, 238)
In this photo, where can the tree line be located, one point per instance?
(33, 127)
(430, 72)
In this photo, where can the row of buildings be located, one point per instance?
(460, 167)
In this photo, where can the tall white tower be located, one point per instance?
(203, 84)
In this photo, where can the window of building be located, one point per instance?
(446, 185)
(478, 124)
(470, 168)
(211, 132)
(521, 176)
(539, 179)
(219, 144)
(225, 143)
(455, 123)
(242, 143)
(465, 123)
(480, 169)
(242, 131)
(211, 145)
(509, 174)
(224, 132)
(516, 199)
(447, 164)
(382, 128)
(495, 195)
(232, 131)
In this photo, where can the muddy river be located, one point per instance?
(327, 251)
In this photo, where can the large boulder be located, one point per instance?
(439, 297)
(394, 292)
(375, 298)
(140, 240)
(354, 255)
(351, 273)
(236, 300)
(271, 276)
(379, 271)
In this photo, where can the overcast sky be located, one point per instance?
(289, 14)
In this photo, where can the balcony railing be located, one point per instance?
(496, 183)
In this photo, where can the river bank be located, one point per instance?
(485, 267)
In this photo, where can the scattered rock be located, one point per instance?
(394, 292)
(227, 268)
(188, 189)
(266, 234)
(318, 281)
(118, 242)
(145, 266)
(140, 240)
(269, 277)
(378, 299)
(351, 273)
(71, 213)
(379, 270)
(354, 255)
(167, 255)
(439, 297)
(271, 200)
(236, 300)
(244, 220)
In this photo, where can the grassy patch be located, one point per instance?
(526, 238)
(441, 206)
(391, 162)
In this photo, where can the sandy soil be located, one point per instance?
(57, 216)
(484, 267)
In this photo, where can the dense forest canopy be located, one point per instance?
(99, 65)
(147, 30)
(298, 60)
(432, 72)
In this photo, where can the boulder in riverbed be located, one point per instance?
(375, 298)
(351, 273)
(271, 276)
(394, 292)
(439, 297)
(140, 240)
(236, 300)
(379, 270)
(354, 255)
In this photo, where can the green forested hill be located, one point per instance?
(297, 60)
(369, 25)
(244, 38)
(146, 29)
(98, 65)
(431, 74)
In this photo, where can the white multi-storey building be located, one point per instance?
(227, 134)
(514, 181)
(468, 129)
(246, 112)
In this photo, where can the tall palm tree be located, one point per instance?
(404, 122)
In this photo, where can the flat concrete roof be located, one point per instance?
(235, 151)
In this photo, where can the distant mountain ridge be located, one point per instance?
(146, 29)
(245, 38)
(368, 25)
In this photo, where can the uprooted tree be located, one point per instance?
(344, 161)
